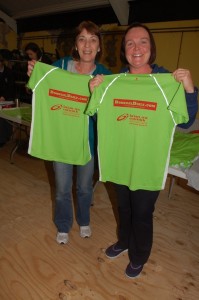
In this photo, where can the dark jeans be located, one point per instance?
(5, 131)
(135, 228)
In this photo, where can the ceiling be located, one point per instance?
(13, 12)
(33, 15)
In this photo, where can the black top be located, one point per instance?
(7, 84)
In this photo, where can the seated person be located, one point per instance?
(7, 93)
(33, 52)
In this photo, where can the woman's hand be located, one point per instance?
(184, 76)
(95, 81)
(31, 64)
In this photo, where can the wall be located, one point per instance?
(178, 46)
(8, 38)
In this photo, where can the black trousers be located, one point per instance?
(135, 228)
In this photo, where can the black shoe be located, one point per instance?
(114, 251)
(133, 270)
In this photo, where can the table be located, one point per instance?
(20, 118)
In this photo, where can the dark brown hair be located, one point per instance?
(35, 48)
(152, 43)
(91, 28)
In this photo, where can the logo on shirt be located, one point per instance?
(134, 119)
(122, 117)
(67, 110)
(135, 104)
(56, 107)
(67, 96)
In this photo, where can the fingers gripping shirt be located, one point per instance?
(59, 127)
(137, 116)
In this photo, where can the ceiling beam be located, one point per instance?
(66, 6)
(9, 21)
(121, 9)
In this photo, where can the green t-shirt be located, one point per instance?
(59, 128)
(184, 150)
(136, 120)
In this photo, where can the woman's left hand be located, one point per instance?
(184, 76)
(95, 81)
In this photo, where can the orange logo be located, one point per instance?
(56, 107)
(148, 105)
(68, 96)
(122, 117)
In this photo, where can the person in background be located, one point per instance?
(7, 93)
(86, 52)
(135, 208)
(33, 52)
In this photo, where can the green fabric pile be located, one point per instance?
(185, 149)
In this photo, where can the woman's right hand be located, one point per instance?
(31, 64)
(95, 81)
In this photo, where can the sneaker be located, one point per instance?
(133, 271)
(114, 251)
(62, 238)
(85, 231)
